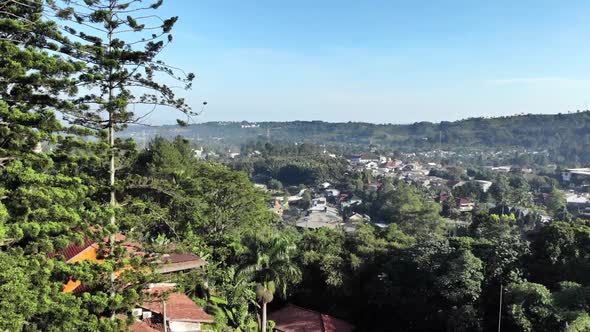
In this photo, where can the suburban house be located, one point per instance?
(391, 164)
(349, 201)
(355, 159)
(90, 250)
(576, 200)
(324, 217)
(365, 158)
(576, 174)
(167, 310)
(164, 309)
(296, 319)
(332, 192)
(485, 185)
(464, 205)
(578, 204)
(355, 217)
(501, 169)
(371, 165)
(318, 204)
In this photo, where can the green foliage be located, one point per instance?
(271, 264)
(203, 205)
(557, 202)
(462, 282)
(561, 252)
(470, 190)
(406, 206)
(530, 306)
(532, 132)
(292, 164)
(322, 250)
(580, 324)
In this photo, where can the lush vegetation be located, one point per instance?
(289, 164)
(564, 137)
(64, 182)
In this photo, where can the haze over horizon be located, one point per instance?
(381, 61)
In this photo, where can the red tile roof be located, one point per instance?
(73, 250)
(296, 319)
(463, 201)
(132, 247)
(178, 306)
(80, 289)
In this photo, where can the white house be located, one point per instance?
(485, 185)
(572, 173)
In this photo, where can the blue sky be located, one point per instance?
(381, 61)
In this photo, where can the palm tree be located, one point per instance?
(265, 294)
(237, 295)
(273, 268)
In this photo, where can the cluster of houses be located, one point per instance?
(380, 166)
(332, 208)
(165, 308)
(416, 173)
(323, 214)
(327, 209)
(201, 154)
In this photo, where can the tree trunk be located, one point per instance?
(111, 127)
(113, 201)
(263, 317)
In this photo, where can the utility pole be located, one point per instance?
(500, 310)
(164, 316)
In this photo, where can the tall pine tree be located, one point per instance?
(120, 42)
(42, 210)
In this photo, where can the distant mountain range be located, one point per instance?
(565, 134)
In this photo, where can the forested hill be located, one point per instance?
(569, 132)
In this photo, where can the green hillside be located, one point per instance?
(566, 136)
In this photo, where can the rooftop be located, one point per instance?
(178, 305)
(296, 319)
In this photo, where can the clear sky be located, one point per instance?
(382, 61)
